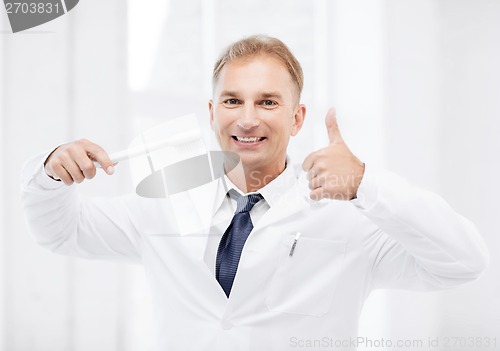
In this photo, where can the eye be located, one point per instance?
(230, 101)
(269, 103)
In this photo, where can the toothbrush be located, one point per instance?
(146, 148)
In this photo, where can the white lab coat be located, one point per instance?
(393, 236)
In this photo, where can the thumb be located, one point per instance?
(332, 126)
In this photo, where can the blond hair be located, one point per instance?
(261, 45)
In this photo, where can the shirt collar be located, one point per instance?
(271, 192)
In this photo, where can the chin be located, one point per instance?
(252, 162)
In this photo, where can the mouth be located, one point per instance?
(248, 140)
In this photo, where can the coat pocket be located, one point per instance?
(306, 276)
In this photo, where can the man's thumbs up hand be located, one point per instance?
(333, 172)
(332, 127)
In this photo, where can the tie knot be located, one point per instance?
(245, 203)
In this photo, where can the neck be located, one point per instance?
(252, 179)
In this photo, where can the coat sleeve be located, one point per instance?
(62, 221)
(422, 243)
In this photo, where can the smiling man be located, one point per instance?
(261, 259)
(254, 112)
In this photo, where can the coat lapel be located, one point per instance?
(193, 212)
(293, 200)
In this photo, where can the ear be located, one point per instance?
(298, 119)
(211, 111)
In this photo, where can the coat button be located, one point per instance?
(226, 325)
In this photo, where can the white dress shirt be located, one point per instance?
(225, 207)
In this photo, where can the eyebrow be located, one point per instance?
(228, 93)
(273, 94)
(263, 95)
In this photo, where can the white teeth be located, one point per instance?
(248, 139)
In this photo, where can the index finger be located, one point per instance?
(308, 162)
(99, 155)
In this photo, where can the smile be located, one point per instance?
(248, 139)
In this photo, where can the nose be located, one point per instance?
(248, 118)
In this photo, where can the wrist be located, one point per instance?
(46, 166)
(358, 177)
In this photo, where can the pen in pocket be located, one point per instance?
(292, 249)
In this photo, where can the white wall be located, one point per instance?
(61, 82)
(2, 197)
(470, 146)
(416, 85)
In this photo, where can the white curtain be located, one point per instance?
(416, 85)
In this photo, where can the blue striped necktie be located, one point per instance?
(233, 240)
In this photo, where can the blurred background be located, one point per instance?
(416, 84)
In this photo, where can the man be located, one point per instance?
(286, 259)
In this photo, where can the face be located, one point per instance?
(255, 111)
